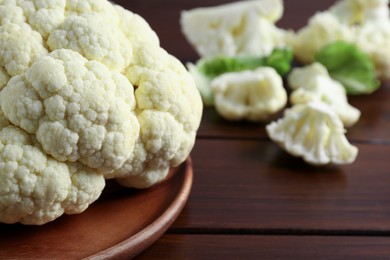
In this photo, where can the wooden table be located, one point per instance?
(251, 200)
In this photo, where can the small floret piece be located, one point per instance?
(364, 23)
(358, 12)
(17, 54)
(323, 28)
(240, 28)
(206, 69)
(374, 39)
(251, 95)
(313, 83)
(314, 132)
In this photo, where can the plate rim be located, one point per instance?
(134, 245)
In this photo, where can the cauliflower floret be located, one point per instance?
(17, 53)
(244, 27)
(323, 28)
(78, 109)
(374, 39)
(36, 189)
(168, 124)
(86, 7)
(9, 13)
(314, 83)
(89, 35)
(364, 23)
(353, 12)
(299, 77)
(131, 23)
(44, 15)
(313, 131)
(252, 95)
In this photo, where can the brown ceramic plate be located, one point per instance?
(121, 224)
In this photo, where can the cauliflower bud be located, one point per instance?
(364, 23)
(252, 95)
(314, 132)
(313, 82)
(234, 29)
(168, 123)
(36, 189)
(87, 83)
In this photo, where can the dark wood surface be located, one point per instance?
(251, 200)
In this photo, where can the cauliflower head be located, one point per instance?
(229, 29)
(314, 83)
(314, 132)
(93, 96)
(252, 95)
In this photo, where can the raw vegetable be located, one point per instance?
(312, 83)
(357, 12)
(347, 64)
(322, 28)
(234, 29)
(250, 95)
(364, 23)
(88, 94)
(207, 69)
(35, 188)
(314, 132)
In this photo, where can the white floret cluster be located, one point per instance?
(314, 127)
(364, 23)
(238, 28)
(87, 94)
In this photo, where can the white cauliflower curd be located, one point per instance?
(252, 95)
(314, 132)
(364, 23)
(35, 188)
(312, 83)
(239, 28)
(86, 94)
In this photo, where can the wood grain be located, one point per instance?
(253, 184)
(268, 247)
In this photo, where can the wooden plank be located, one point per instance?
(253, 184)
(267, 247)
